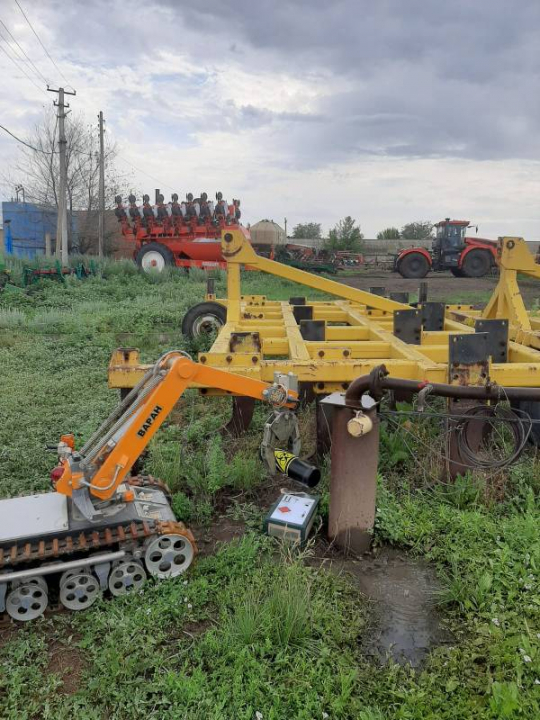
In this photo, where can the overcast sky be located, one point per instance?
(390, 111)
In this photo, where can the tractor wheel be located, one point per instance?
(154, 257)
(413, 265)
(476, 264)
(457, 272)
(203, 319)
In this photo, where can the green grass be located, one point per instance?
(468, 297)
(251, 629)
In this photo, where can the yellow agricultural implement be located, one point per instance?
(329, 343)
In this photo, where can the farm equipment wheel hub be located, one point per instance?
(204, 319)
(153, 260)
(206, 324)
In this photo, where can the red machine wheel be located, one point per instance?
(413, 265)
(457, 272)
(154, 257)
(476, 264)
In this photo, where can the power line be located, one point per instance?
(23, 52)
(145, 173)
(20, 67)
(42, 45)
(45, 152)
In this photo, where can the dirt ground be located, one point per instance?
(441, 286)
(66, 661)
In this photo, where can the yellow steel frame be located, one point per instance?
(358, 330)
(506, 301)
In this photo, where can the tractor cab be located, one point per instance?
(449, 241)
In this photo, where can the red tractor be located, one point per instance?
(451, 250)
(185, 234)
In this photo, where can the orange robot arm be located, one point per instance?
(107, 463)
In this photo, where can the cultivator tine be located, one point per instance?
(324, 427)
(475, 432)
(242, 414)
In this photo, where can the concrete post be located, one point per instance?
(47, 244)
(62, 248)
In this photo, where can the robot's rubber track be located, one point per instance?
(89, 541)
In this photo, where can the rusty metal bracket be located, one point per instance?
(468, 349)
(408, 326)
(468, 365)
(497, 338)
(313, 330)
(245, 342)
(302, 312)
(402, 297)
(433, 315)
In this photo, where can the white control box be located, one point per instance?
(291, 517)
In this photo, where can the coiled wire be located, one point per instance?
(518, 422)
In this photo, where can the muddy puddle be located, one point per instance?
(403, 590)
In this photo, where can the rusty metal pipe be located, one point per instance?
(377, 381)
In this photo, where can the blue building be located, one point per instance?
(28, 224)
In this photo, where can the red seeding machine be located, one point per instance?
(184, 233)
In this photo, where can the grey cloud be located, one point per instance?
(461, 38)
(257, 117)
(435, 78)
(403, 124)
(423, 78)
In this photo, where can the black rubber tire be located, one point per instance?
(413, 265)
(191, 327)
(457, 272)
(476, 264)
(165, 253)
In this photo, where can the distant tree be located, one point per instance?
(37, 169)
(307, 231)
(418, 230)
(389, 233)
(346, 235)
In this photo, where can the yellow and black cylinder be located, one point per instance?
(297, 469)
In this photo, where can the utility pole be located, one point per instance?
(101, 230)
(61, 224)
